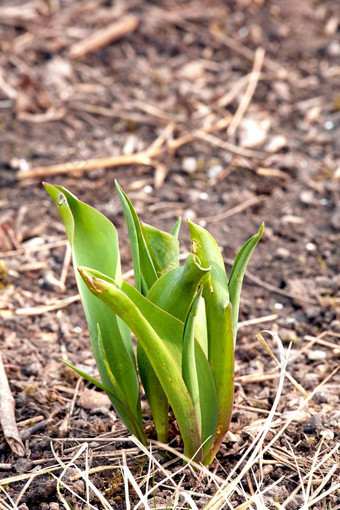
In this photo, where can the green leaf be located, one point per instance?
(155, 395)
(144, 271)
(189, 369)
(94, 243)
(176, 228)
(176, 289)
(166, 368)
(134, 425)
(168, 327)
(163, 248)
(174, 293)
(201, 333)
(171, 330)
(208, 401)
(117, 402)
(145, 274)
(223, 372)
(237, 274)
(199, 380)
(219, 327)
(92, 380)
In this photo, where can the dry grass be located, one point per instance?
(161, 484)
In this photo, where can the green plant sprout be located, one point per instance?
(183, 316)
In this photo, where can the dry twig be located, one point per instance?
(146, 157)
(7, 415)
(40, 309)
(247, 97)
(234, 210)
(104, 36)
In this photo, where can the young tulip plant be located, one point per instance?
(183, 316)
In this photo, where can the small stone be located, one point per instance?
(203, 195)
(334, 49)
(317, 355)
(231, 438)
(296, 504)
(190, 214)
(79, 485)
(281, 88)
(282, 253)
(92, 399)
(327, 434)
(310, 246)
(253, 131)
(335, 326)
(33, 368)
(307, 197)
(21, 398)
(296, 416)
(276, 143)
(189, 165)
(335, 219)
(313, 423)
(287, 334)
(291, 219)
(214, 171)
(331, 26)
(194, 195)
(148, 189)
(23, 465)
(325, 397)
(70, 471)
(312, 312)
(310, 381)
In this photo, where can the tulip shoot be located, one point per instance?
(184, 318)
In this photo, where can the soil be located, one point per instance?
(179, 71)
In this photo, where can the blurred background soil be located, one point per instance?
(227, 113)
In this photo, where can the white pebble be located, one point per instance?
(203, 195)
(296, 416)
(307, 197)
(214, 171)
(148, 189)
(327, 434)
(190, 214)
(310, 247)
(316, 355)
(243, 32)
(189, 165)
(282, 253)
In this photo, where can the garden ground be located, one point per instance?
(226, 113)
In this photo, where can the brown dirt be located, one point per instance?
(175, 71)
